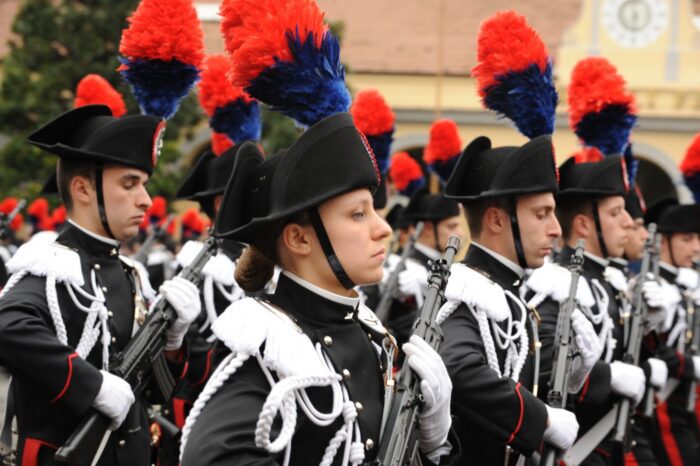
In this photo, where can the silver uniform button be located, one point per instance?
(97, 267)
(104, 289)
(121, 443)
(369, 444)
(358, 406)
(346, 374)
(110, 314)
(114, 339)
(328, 341)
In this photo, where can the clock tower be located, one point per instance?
(654, 43)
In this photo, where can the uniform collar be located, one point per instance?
(619, 263)
(427, 251)
(494, 266)
(312, 303)
(592, 265)
(668, 272)
(77, 237)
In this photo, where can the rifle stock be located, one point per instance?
(399, 442)
(563, 350)
(382, 310)
(135, 365)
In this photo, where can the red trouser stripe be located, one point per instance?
(30, 455)
(630, 460)
(670, 445)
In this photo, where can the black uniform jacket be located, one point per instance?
(52, 387)
(224, 433)
(489, 412)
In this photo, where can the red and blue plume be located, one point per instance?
(58, 217)
(38, 213)
(514, 73)
(631, 165)
(284, 55)
(601, 110)
(690, 167)
(220, 143)
(375, 119)
(158, 210)
(6, 207)
(231, 111)
(162, 50)
(444, 148)
(587, 155)
(192, 224)
(94, 89)
(406, 173)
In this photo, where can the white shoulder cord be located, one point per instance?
(678, 330)
(91, 331)
(14, 279)
(605, 336)
(209, 303)
(229, 365)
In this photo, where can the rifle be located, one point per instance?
(5, 220)
(639, 316)
(141, 360)
(156, 233)
(399, 441)
(564, 349)
(382, 310)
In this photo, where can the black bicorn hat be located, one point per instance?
(593, 179)
(634, 203)
(431, 207)
(484, 172)
(680, 218)
(331, 158)
(208, 176)
(92, 133)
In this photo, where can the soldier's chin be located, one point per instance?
(536, 261)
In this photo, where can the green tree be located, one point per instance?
(56, 43)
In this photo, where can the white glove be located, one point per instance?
(696, 367)
(183, 296)
(653, 294)
(436, 387)
(562, 428)
(659, 373)
(656, 316)
(413, 281)
(627, 380)
(589, 348)
(114, 399)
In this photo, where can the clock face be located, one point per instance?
(635, 23)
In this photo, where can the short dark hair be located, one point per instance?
(66, 170)
(568, 209)
(475, 210)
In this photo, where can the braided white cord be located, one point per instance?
(678, 330)
(317, 417)
(54, 309)
(14, 279)
(602, 301)
(235, 294)
(228, 366)
(487, 339)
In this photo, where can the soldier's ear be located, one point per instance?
(495, 220)
(296, 239)
(81, 190)
(581, 226)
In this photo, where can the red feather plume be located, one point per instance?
(164, 30)
(255, 39)
(404, 169)
(58, 216)
(220, 143)
(6, 207)
(39, 208)
(691, 162)
(159, 208)
(595, 83)
(506, 43)
(445, 142)
(588, 154)
(215, 90)
(192, 220)
(46, 224)
(371, 113)
(94, 89)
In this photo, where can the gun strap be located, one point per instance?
(99, 168)
(516, 232)
(6, 433)
(327, 247)
(599, 230)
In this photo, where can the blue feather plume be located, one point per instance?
(309, 88)
(159, 86)
(381, 146)
(527, 97)
(608, 130)
(693, 183)
(632, 165)
(240, 121)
